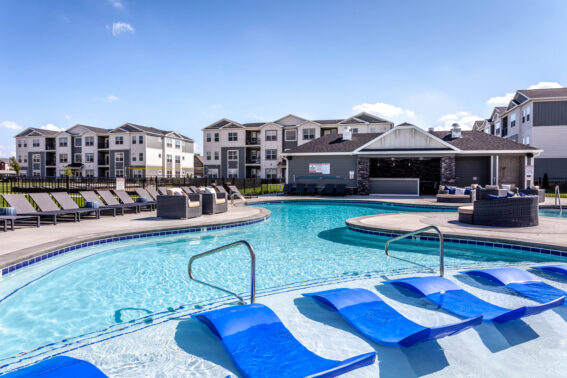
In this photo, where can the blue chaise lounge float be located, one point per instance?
(560, 269)
(261, 346)
(450, 297)
(59, 367)
(379, 322)
(521, 282)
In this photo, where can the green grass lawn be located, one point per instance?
(263, 189)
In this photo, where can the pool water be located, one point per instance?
(553, 213)
(104, 285)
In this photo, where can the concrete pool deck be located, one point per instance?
(27, 241)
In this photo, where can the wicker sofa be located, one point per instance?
(540, 193)
(502, 212)
(179, 206)
(482, 194)
(214, 203)
(445, 197)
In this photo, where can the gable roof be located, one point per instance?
(132, 127)
(365, 118)
(98, 130)
(544, 93)
(479, 125)
(334, 143)
(480, 141)
(37, 131)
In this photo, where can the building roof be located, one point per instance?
(328, 121)
(544, 93)
(334, 143)
(43, 132)
(480, 141)
(98, 130)
(199, 159)
(153, 130)
(478, 125)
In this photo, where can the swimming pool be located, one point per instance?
(111, 284)
(553, 213)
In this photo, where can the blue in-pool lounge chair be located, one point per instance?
(59, 367)
(379, 322)
(521, 282)
(261, 346)
(560, 269)
(450, 297)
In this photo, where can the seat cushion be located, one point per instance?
(193, 203)
(466, 209)
(220, 201)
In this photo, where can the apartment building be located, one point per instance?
(236, 150)
(536, 117)
(129, 150)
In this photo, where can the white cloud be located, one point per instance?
(7, 151)
(111, 98)
(257, 117)
(51, 127)
(545, 85)
(121, 27)
(385, 110)
(501, 100)
(67, 116)
(116, 4)
(464, 119)
(10, 125)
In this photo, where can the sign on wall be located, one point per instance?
(120, 183)
(322, 168)
(530, 170)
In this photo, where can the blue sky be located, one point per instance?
(182, 65)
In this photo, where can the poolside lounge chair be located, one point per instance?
(46, 204)
(162, 190)
(260, 345)
(521, 282)
(340, 190)
(154, 193)
(235, 192)
(287, 190)
(127, 200)
(91, 196)
(560, 269)
(179, 207)
(187, 190)
(379, 322)
(67, 203)
(24, 207)
(110, 200)
(59, 366)
(214, 203)
(195, 189)
(450, 297)
(10, 220)
(300, 189)
(311, 189)
(143, 193)
(328, 190)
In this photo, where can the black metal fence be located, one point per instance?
(73, 185)
(549, 186)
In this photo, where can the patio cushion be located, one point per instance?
(466, 210)
(220, 201)
(8, 211)
(194, 203)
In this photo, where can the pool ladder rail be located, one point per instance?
(416, 232)
(558, 198)
(220, 249)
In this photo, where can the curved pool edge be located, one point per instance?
(355, 224)
(19, 259)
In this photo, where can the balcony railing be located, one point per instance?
(103, 162)
(50, 163)
(103, 145)
(252, 141)
(253, 160)
(50, 147)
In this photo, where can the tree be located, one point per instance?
(15, 165)
(68, 172)
(545, 182)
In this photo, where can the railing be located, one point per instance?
(253, 161)
(219, 249)
(441, 247)
(252, 141)
(558, 198)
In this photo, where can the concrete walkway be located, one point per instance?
(27, 242)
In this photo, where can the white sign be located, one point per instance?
(529, 170)
(351, 175)
(120, 183)
(323, 168)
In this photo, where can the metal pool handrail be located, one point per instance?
(441, 247)
(222, 248)
(558, 198)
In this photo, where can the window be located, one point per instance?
(89, 158)
(177, 174)
(232, 173)
(308, 134)
(78, 158)
(512, 119)
(271, 173)
(36, 173)
(212, 172)
(159, 156)
(36, 158)
(19, 158)
(232, 154)
(35, 143)
(140, 139)
(497, 124)
(290, 135)
(119, 157)
(232, 137)
(216, 155)
(138, 173)
(119, 140)
(169, 158)
(525, 114)
(119, 173)
(355, 130)
(89, 141)
(217, 137)
(89, 172)
(63, 158)
(526, 140)
(78, 142)
(19, 143)
(271, 135)
(134, 139)
(169, 142)
(133, 158)
(208, 137)
(63, 142)
(209, 155)
(169, 173)
(271, 154)
(177, 143)
(177, 159)
(141, 156)
(25, 159)
(159, 172)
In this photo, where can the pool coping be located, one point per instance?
(28, 256)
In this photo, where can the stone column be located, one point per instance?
(448, 170)
(362, 175)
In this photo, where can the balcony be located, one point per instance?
(50, 147)
(103, 146)
(253, 160)
(50, 163)
(103, 162)
(252, 141)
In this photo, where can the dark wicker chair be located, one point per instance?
(540, 193)
(482, 194)
(214, 203)
(506, 212)
(179, 207)
(445, 197)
